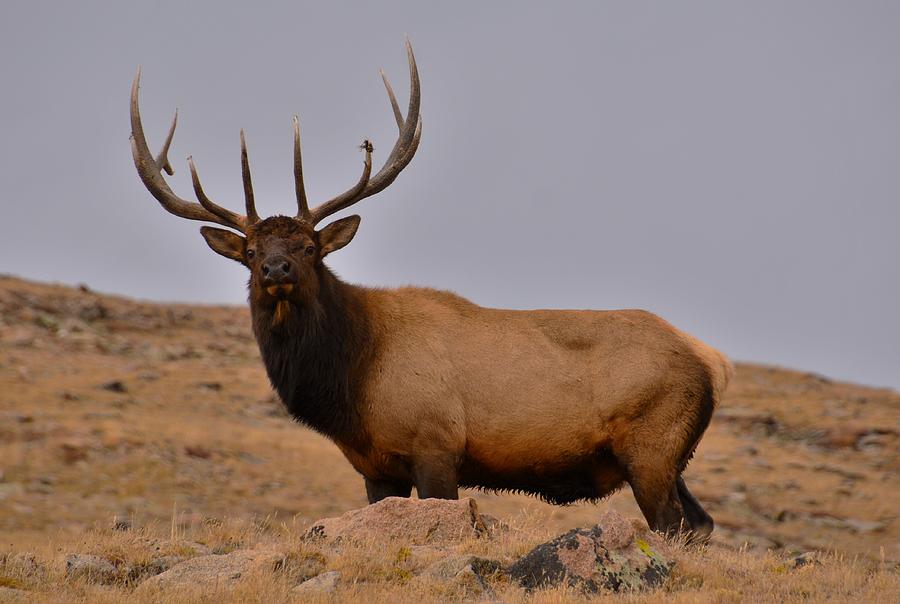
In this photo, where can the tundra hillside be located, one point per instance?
(161, 416)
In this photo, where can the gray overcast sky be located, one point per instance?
(733, 167)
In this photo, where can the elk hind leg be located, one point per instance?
(651, 460)
(701, 523)
(657, 496)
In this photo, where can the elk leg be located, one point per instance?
(653, 484)
(435, 477)
(661, 507)
(376, 490)
(701, 523)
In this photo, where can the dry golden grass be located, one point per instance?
(192, 447)
(379, 572)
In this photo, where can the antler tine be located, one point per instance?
(348, 198)
(162, 159)
(300, 188)
(252, 216)
(401, 154)
(397, 115)
(207, 203)
(149, 169)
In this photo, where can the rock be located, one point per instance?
(617, 554)
(213, 572)
(9, 594)
(11, 489)
(844, 473)
(472, 574)
(864, 526)
(73, 451)
(303, 566)
(115, 386)
(198, 451)
(159, 565)
(449, 567)
(413, 521)
(416, 558)
(23, 564)
(808, 558)
(748, 420)
(855, 436)
(325, 583)
(92, 569)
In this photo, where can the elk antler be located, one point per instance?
(399, 158)
(150, 170)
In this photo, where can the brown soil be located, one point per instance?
(113, 410)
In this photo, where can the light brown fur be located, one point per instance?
(422, 388)
(547, 384)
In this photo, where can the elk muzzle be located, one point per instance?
(278, 275)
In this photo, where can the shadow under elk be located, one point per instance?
(422, 388)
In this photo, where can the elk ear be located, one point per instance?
(338, 234)
(226, 243)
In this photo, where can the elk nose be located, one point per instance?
(276, 270)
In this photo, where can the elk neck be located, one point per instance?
(316, 356)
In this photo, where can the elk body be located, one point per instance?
(422, 388)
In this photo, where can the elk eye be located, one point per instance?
(310, 250)
(250, 254)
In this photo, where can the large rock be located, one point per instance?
(413, 521)
(213, 572)
(617, 554)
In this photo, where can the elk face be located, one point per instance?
(284, 255)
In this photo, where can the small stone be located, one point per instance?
(73, 451)
(864, 526)
(198, 451)
(448, 568)
(10, 594)
(115, 386)
(10, 489)
(840, 437)
(24, 563)
(807, 558)
(121, 524)
(325, 583)
(303, 566)
(470, 573)
(93, 569)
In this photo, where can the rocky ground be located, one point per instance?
(136, 432)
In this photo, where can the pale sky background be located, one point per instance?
(733, 167)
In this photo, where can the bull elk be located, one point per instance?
(422, 388)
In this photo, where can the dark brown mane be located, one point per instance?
(315, 358)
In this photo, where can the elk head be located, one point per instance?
(284, 254)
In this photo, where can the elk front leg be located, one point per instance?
(376, 490)
(435, 476)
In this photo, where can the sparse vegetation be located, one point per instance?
(190, 455)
